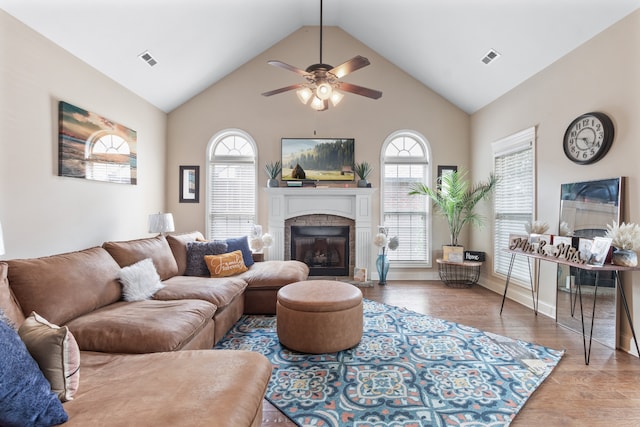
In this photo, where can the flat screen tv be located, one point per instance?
(317, 159)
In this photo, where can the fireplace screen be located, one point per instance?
(325, 249)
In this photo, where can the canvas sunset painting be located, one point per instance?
(93, 147)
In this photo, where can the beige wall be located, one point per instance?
(42, 213)
(235, 102)
(601, 75)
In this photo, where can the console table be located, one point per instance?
(616, 269)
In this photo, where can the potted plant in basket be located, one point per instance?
(362, 170)
(273, 169)
(455, 199)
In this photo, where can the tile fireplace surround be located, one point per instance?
(353, 203)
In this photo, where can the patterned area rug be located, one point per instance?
(408, 370)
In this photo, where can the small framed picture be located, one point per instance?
(360, 274)
(189, 184)
(584, 247)
(446, 170)
(599, 250)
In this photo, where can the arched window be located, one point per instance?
(109, 158)
(231, 181)
(405, 160)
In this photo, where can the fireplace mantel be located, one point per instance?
(353, 203)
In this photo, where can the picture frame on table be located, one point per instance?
(189, 184)
(599, 250)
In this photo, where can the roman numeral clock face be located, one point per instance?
(588, 138)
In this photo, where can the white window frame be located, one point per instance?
(213, 142)
(426, 160)
(519, 142)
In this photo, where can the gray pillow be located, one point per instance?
(195, 256)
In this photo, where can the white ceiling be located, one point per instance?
(438, 42)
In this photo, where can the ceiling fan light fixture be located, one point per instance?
(304, 95)
(336, 97)
(317, 104)
(323, 80)
(324, 90)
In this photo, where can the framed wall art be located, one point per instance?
(93, 147)
(445, 170)
(189, 184)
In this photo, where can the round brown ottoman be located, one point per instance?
(319, 316)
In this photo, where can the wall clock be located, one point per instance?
(588, 138)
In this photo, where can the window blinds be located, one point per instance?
(513, 198)
(405, 215)
(232, 199)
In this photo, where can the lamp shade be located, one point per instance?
(161, 223)
(1, 241)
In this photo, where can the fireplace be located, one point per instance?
(325, 249)
(334, 206)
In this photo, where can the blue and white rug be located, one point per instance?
(409, 370)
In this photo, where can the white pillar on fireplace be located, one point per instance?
(353, 203)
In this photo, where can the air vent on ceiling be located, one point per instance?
(490, 56)
(146, 57)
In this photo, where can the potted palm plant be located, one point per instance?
(455, 199)
(273, 169)
(362, 170)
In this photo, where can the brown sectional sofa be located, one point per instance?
(131, 371)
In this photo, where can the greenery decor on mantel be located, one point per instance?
(363, 170)
(455, 199)
(273, 169)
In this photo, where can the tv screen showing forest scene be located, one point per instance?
(317, 159)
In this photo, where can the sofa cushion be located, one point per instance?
(225, 265)
(274, 274)
(76, 283)
(139, 281)
(218, 291)
(26, 398)
(8, 303)
(157, 248)
(196, 251)
(142, 326)
(241, 244)
(213, 388)
(178, 244)
(57, 353)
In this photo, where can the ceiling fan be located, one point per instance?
(323, 80)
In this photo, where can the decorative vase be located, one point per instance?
(362, 183)
(382, 265)
(272, 183)
(625, 257)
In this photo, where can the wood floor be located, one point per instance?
(604, 393)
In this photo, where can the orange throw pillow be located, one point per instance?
(226, 264)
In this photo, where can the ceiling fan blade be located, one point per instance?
(281, 64)
(282, 89)
(350, 66)
(359, 90)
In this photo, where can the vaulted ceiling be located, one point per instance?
(441, 43)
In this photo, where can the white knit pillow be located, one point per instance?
(140, 281)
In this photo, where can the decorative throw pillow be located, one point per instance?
(196, 251)
(8, 302)
(241, 244)
(5, 319)
(226, 264)
(56, 351)
(26, 398)
(140, 281)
